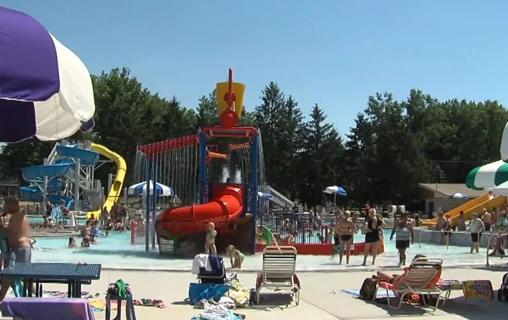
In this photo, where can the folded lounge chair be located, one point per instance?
(421, 278)
(278, 273)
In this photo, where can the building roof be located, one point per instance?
(9, 183)
(449, 189)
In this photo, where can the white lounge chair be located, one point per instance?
(421, 277)
(278, 273)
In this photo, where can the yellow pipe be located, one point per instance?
(116, 187)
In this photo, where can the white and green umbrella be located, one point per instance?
(488, 176)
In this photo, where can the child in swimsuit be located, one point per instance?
(235, 256)
(211, 233)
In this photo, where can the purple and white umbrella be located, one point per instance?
(45, 90)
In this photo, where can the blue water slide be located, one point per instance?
(55, 199)
(31, 193)
(39, 172)
(55, 185)
(86, 157)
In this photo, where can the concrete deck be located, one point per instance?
(321, 297)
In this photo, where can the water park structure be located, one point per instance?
(68, 175)
(217, 176)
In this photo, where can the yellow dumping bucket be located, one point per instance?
(238, 90)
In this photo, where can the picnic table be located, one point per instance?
(37, 273)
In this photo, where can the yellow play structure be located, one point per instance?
(473, 206)
(116, 187)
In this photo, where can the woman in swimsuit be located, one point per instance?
(372, 227)
(346, 230)
(404, 233)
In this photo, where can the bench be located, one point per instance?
(47, 308)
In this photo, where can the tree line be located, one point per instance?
(392, 146)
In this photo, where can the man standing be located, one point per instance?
(18, 236)
(486, 218)
(476, 227)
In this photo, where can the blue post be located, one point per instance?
(202, 167)
(154, 200)
(147, 200)
(254, 187)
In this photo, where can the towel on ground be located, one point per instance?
(215, 264)
(200, 261)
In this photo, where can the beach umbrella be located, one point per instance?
(488, 175)
(45, 90)
(336, 191)
(139, 189)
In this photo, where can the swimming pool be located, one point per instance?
(115, 251)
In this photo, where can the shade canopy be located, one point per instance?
(45, 89)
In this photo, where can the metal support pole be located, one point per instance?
(147, 200)
(254, 188)
(202, 167)
(154, 200)
(45, 190)
(77, 168)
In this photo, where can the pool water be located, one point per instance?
(115, 251)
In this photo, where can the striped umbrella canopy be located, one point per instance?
(139, 189)
(488, 176)
(335, 190)
(45, 90)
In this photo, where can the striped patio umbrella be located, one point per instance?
(488, 176)
(45, 90)
(139, 189)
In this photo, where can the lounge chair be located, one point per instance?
(421, 277)
(278, 273)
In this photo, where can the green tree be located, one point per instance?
(322, 158)
(280, 122)
(207, 111)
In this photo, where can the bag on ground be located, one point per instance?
(368, 289)
(502, 293)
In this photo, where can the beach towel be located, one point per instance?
(381, 294)
(215, 264)
(217, 312)
(206, 291)
(238, 293)
(200, 261)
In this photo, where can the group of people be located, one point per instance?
(495, 221)
(346, 226)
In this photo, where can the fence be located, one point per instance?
(301, 228)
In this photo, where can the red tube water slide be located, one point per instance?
(225, 207)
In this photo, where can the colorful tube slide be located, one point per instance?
(224, 208)
(116, 187)
(470, 207)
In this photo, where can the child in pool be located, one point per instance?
(72, 242)
(235, 256)
(211, 233)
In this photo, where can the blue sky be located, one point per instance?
(334, 53)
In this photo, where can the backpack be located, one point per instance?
(502, 293)
(368, 289)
